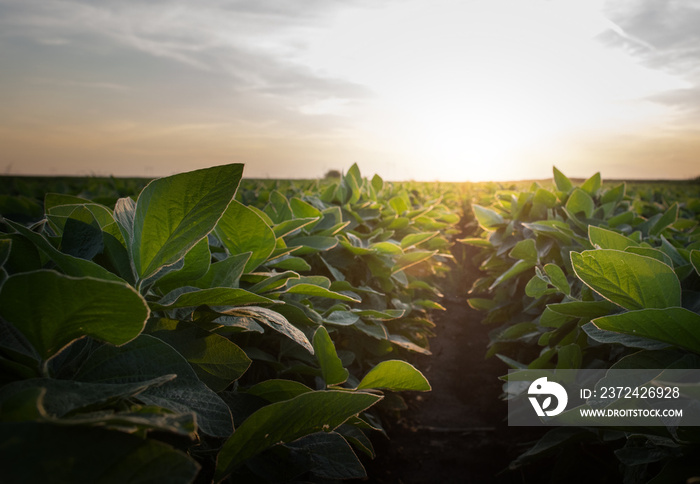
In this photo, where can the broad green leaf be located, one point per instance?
(584, 309)
(580, 201)
(64, 396)
(217, 361)
(318, 291)
(196, 265)
(673, 325)
(52, 200)
(386, 248)
(330, 455)
(545, 197)
(273, 320)
(302, 209)
(416, 239)
(72, 266)
(524, 249)
(176, 212)
(557, 278)
(615, 194)
(668, 218)
(516, 269)
(51, 309)
(225, 273)
(561, 181)
(377, 183)
(607, 239)
(623, 218)
(695, 260)
(592, 185)
(147, 358)
(311, 244)
(612, 337)
(288, 226)
(278, 390)
(331, 366)
(395, 375)
(46, 452)
(287, 421)
(487, 218)
(629, 280)
(569, 357)
(535, 287)
(215, 296)
(399, 205)
(411, 258)
(341, 318)
(653, 253)
(242, 230)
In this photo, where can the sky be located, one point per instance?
(451, 90)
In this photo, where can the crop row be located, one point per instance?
(193, 333)
(594, 276)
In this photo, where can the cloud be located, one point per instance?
(235, 54)
(663, 35)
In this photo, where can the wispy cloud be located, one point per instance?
(663, 35)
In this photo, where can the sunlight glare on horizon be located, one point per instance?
(466, 91)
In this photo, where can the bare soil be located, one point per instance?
(458, 432)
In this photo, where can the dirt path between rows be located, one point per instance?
(457, 433)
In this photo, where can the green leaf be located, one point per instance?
(73, 266)
(147, 358)
(607, 239)
(668, 218)
(524, 249)
(278, 390)
(395, 375)
(289, 420)
(695, 260)
(387, 248)
(51, 309)
(331, 366)
(562, 181)
(629, 280)
(415, 239)
(215, 296)
(592, 185)
(514, 270)
(583, 309)
(412, 258)
(580, 201)
(61, 397)
(176, 212)
(653, 253)
(217, 361)
(225, 273)
(196, 265)
(612, 337)
(242, 230)
(311, 244)
(676, 326)
(318, 291)
(273, 320)
(331, 456)
(43, 452)
(488, 219)
(557, 278)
